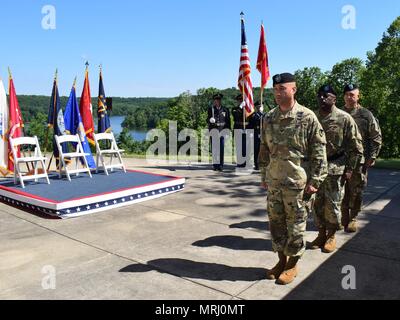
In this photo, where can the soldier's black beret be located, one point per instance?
(350, 87)
(257, 103)
(218, 96)
(327, 88)
(283, 78)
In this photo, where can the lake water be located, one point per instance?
(116, 121)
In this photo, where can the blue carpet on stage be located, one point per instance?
(84, 195)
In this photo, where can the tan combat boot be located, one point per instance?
(276, 271)
(319, 242)
(290, 272)
(330, 244)
(352, 226)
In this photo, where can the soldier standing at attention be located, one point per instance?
(219, 119)
(293, 163)
(344, 151)
(255, 124)
(240, 125)
(372, 141)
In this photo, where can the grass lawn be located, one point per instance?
(388, 164)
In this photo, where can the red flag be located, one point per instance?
(15, 122)
(262, 60)
(85, 108)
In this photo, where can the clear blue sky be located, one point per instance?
(164, 47)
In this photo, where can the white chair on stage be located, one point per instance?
(77, 155)
(112, 152)
(36, 159)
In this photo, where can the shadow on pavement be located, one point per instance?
(198, 270)
(374, 252)
(235, 243)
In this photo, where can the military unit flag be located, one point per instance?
(85, 107)
(3, 130)
(262, 60)
(103, 119)
(55, 119)
(15, 122)
(74, 125)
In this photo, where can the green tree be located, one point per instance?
(380, 85)
(38, 127)
(345, 72)
(308, 82)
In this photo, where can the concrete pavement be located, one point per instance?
(209, 241)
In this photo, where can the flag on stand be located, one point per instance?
(15, 122)
(55, 120)
(3, 130)
(104, 120)
(262, 60)
(244, 83)
(85, 107)
(74, 125)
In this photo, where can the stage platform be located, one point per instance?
(85, 195)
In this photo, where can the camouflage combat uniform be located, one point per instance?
(344, 151)
(292, 154)
(372, 142)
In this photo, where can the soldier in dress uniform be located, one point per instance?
(219, 124)
(255, 124)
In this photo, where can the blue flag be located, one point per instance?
(55, 120)
(74, 125)
(104, 120)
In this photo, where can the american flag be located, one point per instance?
(244, 83)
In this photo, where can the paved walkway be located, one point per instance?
(209, 241)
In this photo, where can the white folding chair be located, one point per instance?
(77, 155)
(34, 160)
(112, 152)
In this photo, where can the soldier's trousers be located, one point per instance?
(241, 147)
(328, 201)
(257, 144)
(287, 220)
(218, 150)
(353, 196)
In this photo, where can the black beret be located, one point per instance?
(218, 96)
(283, 78)
(327, 88)
(257, 103)
(350, 87)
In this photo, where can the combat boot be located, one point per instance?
(290, 272)
(330, 244)
(352, 226)
(319, 242)
(276, 271)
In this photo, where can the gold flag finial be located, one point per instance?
(74, 85)
(9, 73)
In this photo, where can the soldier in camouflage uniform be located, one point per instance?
(344, 151)
(372, 141)
(293, 163)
